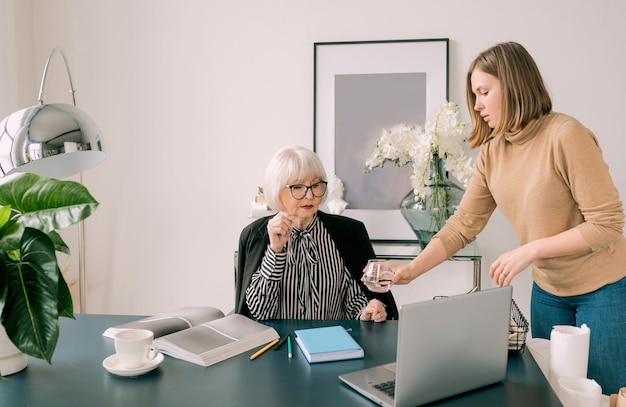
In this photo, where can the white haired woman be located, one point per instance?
(302, 263)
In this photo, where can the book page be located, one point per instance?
(216, 340)
(167, 323)
(237, 326)
(198, 340)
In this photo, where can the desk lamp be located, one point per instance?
(54, 140)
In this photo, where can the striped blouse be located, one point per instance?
(306, 280)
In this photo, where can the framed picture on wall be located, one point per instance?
(362, 88)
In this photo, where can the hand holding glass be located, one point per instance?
(378, 275)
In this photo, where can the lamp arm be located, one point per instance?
(45, 76)
(82, 287)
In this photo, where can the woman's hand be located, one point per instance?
(515, 261)
(374, 311)
(401, 274)
(279, 230)
(510, 264)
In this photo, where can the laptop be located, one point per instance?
(446, 347)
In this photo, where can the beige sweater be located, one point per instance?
(548, 178)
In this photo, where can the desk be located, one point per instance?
(408, 250)
(77, 378)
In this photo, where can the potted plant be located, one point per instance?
(33, 292)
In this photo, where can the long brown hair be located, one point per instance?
(524, 95)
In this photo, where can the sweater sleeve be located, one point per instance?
(579, 160)
(473, 212)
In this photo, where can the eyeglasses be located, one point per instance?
(299, 191)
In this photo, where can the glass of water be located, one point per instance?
(378, 275)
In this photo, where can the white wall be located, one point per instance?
(16, 56)
(194, 96)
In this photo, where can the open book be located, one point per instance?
(202, 335)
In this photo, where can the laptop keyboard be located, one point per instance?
(389, 387)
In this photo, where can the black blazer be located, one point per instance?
(349, 235)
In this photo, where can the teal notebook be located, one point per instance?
(327, 344)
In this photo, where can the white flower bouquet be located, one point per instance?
(410, 144)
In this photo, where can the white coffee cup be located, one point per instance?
(135, 347)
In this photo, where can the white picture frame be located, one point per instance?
(362, 88)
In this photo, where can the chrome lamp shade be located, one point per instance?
(54, 140)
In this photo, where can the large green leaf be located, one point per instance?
(31, 311)
(59, 244)
(10, 233)
(46, 203)
(5, 213)
(65, 305)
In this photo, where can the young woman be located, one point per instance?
(546, 173)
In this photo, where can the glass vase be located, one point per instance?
(426, 215)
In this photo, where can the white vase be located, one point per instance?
(12, 360)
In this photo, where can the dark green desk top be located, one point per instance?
(77, 378)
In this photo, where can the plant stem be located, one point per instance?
(439, 194)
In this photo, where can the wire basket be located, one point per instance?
(518, 328)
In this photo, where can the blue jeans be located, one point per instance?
(604, 312)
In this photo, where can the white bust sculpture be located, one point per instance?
(336, 204)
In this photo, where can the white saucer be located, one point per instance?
(113, 365)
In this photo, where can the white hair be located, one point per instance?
(289, 164)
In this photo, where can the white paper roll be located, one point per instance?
(569, 351)
(579, 392)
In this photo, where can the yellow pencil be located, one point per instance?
(266, 347)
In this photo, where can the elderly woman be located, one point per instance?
(302, 263)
